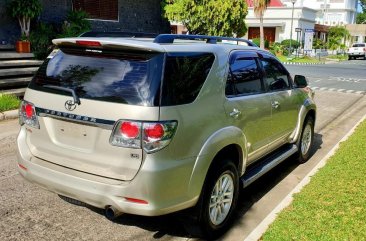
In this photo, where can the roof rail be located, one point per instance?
(169, 38)
(117, 34)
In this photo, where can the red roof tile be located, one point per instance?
(273, 3)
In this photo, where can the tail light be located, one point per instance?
(364, 49)
(151, 136)
(28, 115)
(157, 135)
(126, 134)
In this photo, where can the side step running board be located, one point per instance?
(267, 164)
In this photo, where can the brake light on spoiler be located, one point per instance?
(88, 43)
(151, 136)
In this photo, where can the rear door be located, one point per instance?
(247, 105)
(111, 85)
(285, 101)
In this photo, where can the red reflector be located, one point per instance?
(23, 167)
(134, 200)
(88, 43)
(29, 110)
(130, 129)
(155, 131)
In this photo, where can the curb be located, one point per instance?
(7, 115)
(258, 232)
(295, 63)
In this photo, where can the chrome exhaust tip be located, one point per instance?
(112, 213)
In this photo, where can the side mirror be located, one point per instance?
(300, 81)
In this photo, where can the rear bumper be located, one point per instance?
(165, 188)
(357, 54)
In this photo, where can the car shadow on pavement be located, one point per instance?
(163, 227)
(182, 225)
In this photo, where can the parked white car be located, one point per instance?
(357, 50)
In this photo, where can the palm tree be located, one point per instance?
(260, 7)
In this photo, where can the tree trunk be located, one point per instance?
(24, 26)
(261, 32)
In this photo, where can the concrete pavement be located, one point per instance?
(11, 114)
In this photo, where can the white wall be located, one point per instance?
(330, 12)
(281, 19)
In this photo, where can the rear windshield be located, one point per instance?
(129, 78)
(358, 45)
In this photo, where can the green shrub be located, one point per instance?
(8, 102)
(75, 24)
(273, 52)
(286, 52)
(41, 40)
(294, 44)
(257, 42)
(277, 48)
(319, 44)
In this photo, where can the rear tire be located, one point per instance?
(218, 199)
(305, 142)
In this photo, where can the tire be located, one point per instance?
(215, 209)
(306, 140)
(349, 57)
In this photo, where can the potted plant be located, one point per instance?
(24, 11)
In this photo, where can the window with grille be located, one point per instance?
(98, 9)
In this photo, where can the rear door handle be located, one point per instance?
(235, 113)
(275, 104)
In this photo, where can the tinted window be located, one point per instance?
(244, 77)
(131, 78)
(276, 76)
(184, 76)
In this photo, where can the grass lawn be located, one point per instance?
(8, 102)
(338, 57)
(298, 60)
(333, 205)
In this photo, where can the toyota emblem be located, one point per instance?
(70, 105)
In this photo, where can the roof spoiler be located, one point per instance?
(109, 43)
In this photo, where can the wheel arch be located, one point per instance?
(227, 142)
(308, 108)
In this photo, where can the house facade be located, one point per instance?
(105, 15)
(277, 21)
(330, 12)
(317, 15)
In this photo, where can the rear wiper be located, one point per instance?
(74, 95)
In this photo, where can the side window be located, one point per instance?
(185, 74)
(244, 77)
(276, 76)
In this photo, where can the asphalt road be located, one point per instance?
(28, 212)
(347, 76)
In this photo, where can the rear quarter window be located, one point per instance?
(184, 76)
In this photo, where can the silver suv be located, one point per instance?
(150, 126)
